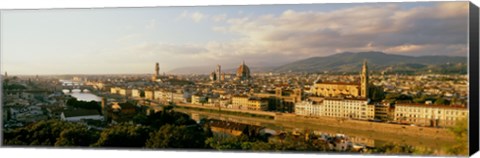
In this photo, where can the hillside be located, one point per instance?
(377, 61)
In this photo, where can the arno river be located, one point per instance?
(368, 138)
(85, 96)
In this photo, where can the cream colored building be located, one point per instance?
(196, 99)
(240, 102)
(136, 93)
(125, 92)
(340, 108)
(429, 115)
(115, 90)
(309, 108)
(349, 108)
(149, 94)
(178, 97)
(257, 104)
(157, 94)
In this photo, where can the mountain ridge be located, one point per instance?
(352, 62)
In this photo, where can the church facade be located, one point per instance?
(336, 89)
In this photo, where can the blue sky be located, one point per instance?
(131, 40)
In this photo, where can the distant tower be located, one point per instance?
(157, 69)
(6, 75)
(364, 80)
(218, 73)
(157, 72)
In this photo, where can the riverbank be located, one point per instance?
(433, 138)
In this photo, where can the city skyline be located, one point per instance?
(96, 41)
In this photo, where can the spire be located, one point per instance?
(364, 79)
(243, 63)
(157, 69)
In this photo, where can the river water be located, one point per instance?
(82, 96)
(368, 138)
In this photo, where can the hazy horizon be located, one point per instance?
(132, 40)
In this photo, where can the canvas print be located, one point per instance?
(354, 78)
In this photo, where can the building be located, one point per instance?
(335, 107)
(383, 112)
(285, 98)
(179, 97)
(336, 89)
(216, 75)
(149, 94)
(240, 101)
(364, 80)
(125, 92)
(243, 72)
(349, 108)
(157, 94)
(156, 76)
(429, 115)
(198, 99)
(136, 93)
(213, 77)
(310, 107)
(257, 104)
(75, 115)
(115, 90)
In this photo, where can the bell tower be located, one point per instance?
(157, 69)
(157, 72)
(364, 80)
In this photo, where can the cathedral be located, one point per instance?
(243, 72)
(217, 75)
(336, 89)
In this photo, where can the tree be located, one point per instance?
(158, 119)
(441, 101)
(376, 93)
(140, 118)
(170, 136)
(460, 130)
(224, 143)
(123, 135)
(77, 137)
(43, 133)
(73, 102)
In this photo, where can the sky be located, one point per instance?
(131, 40)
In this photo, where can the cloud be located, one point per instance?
(273, 39)
(437, 30)
(219, 18)
(195, 16)
(151, 24)
(129, 37)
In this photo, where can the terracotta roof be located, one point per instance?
(362, 99)
(339, 83)
(243, 96)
